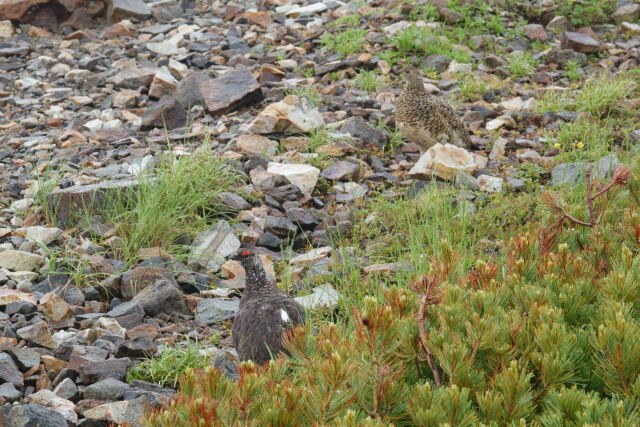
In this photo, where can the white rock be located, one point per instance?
(293, 114)
(630, 27)
(62, 336)
(445, 160)
(322, 296)
(513, 104)
(395, 27)
(306, 10)
(490, 184)
(501, 121)
(20, 260)
(177, 69)
(352, 189)
(311, 257)
(6, 29)
(498, 149)
(141, 165)
(302, 176)
(26, 83)
(112, 326)
(93, 125)
(22, 204)
(213, 246)
(165, 48)
(459, 67)
(41, 234)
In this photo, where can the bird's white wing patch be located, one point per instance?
(284, 316)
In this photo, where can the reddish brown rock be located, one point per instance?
(14, 9)
(79, 19)
(261, 18)
(579, 42)
(535, 32)
(228, 92)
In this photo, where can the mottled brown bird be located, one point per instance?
(426, 119)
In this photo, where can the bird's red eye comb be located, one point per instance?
(245, 253)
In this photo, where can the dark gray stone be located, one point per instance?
(213, 310)
(9, 372)
(108, 389)
(9, 393)
(359, 128)
(34, 415)
(161, 297)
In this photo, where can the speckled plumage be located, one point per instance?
(426, 119)
(265, 314)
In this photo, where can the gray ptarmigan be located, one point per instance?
(426, 119)
(265, 314)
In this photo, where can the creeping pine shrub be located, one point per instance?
(545, 331)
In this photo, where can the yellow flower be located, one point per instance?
(580, 145)
(557, 145)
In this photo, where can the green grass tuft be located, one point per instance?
(173, 204)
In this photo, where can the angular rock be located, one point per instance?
(579, 42)
(135, 280)
(627, 13)
(20, 260)
(234, 201)
(211, 247)
(73, 203)
(14, 9)
(131, 412)
(231, 90)
(256, 144)
(535, 32)
(302, 176)
(564, 56)
(280, 226)
(321, 296)
(108, 389)
(168, 112)
(341, 170)
(45, 235)
(445, 161)
(291, 115)
(9, 372)
(162, 84)
(213, 310)
(490, 184)
(161, 297)
(92, 372)
(48, 399)
(7, 296)
(9, 393)
(37, 333)
(568, 173)
(6, 29)
(358, 127)
(311, 257)
(123, 9)
(35, 415)
(558, 24)
(66, 389)
(55, 308)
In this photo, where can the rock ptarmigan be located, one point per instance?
(426, 119)
(265, 314)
